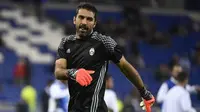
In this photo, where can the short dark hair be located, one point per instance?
(89, 7)
(182, 76)
(171, 67)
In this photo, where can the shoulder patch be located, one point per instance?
(108, 42)
(70, 38)
(66, 39)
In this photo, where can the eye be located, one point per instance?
(81, 17)
(90, 19)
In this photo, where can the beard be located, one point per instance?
(83, 30)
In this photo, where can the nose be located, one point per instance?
(84, 21)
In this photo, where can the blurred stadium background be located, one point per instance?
(153, 34)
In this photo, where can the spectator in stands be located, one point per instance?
(29, 95)
(178, 29)
(132, 102)
(39, 11)
(2, 44)
(196, 55)
(131, 11)
(160, 38)
(122, 42)
(185, 62)
(59, 96)
(45, 96)
(136, 60)
(20, 71)
(196, 26)
(22, 106)
(110, 96)
(68, 28)
(28, 75)
(162, 73)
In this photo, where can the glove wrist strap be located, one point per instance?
(72, 73)
(145, 93)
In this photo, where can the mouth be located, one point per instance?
(83, 29)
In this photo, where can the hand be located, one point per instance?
(146, 104)
(197, 87)
(147, 99)
(81, 76)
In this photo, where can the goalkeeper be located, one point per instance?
(83, 61)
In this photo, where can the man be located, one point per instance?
(83, 61)
(59, 96)
(45, 96)
(178, 98)
(29, 95)
(110, 96)
(167, 85)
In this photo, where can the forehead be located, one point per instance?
(86, 13)
(177, 68)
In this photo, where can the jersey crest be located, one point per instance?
(91, 51)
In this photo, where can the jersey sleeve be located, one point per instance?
(113, 49)
(162, 93)
(61, 52)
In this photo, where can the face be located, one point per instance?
(84, 22)
(186, 82)
(176, 70)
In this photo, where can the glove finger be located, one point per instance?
(141, 103)
(143, 108)
(148, 108)
(90, 71)
(87, 78)
(83, 81)
(148, 105)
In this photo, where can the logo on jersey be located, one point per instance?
(68, 51)
(91, 51)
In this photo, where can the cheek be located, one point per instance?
(91, 25)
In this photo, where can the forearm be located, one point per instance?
(132, 74)
(64, 74)
(61, 73)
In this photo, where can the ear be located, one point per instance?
(74, 20)
(95, 24)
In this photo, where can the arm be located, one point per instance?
(62, 73)
(162, 92)
(131, 73)
(115, 54)
(61, 69)
(191, 89)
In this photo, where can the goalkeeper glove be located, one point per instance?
(81, 76)
(147, 99)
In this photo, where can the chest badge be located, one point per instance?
(91, 51)
(68, 51)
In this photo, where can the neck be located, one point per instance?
(181, 84)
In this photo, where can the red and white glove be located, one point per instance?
(81, 76)
(147, 100)
(146, 104)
